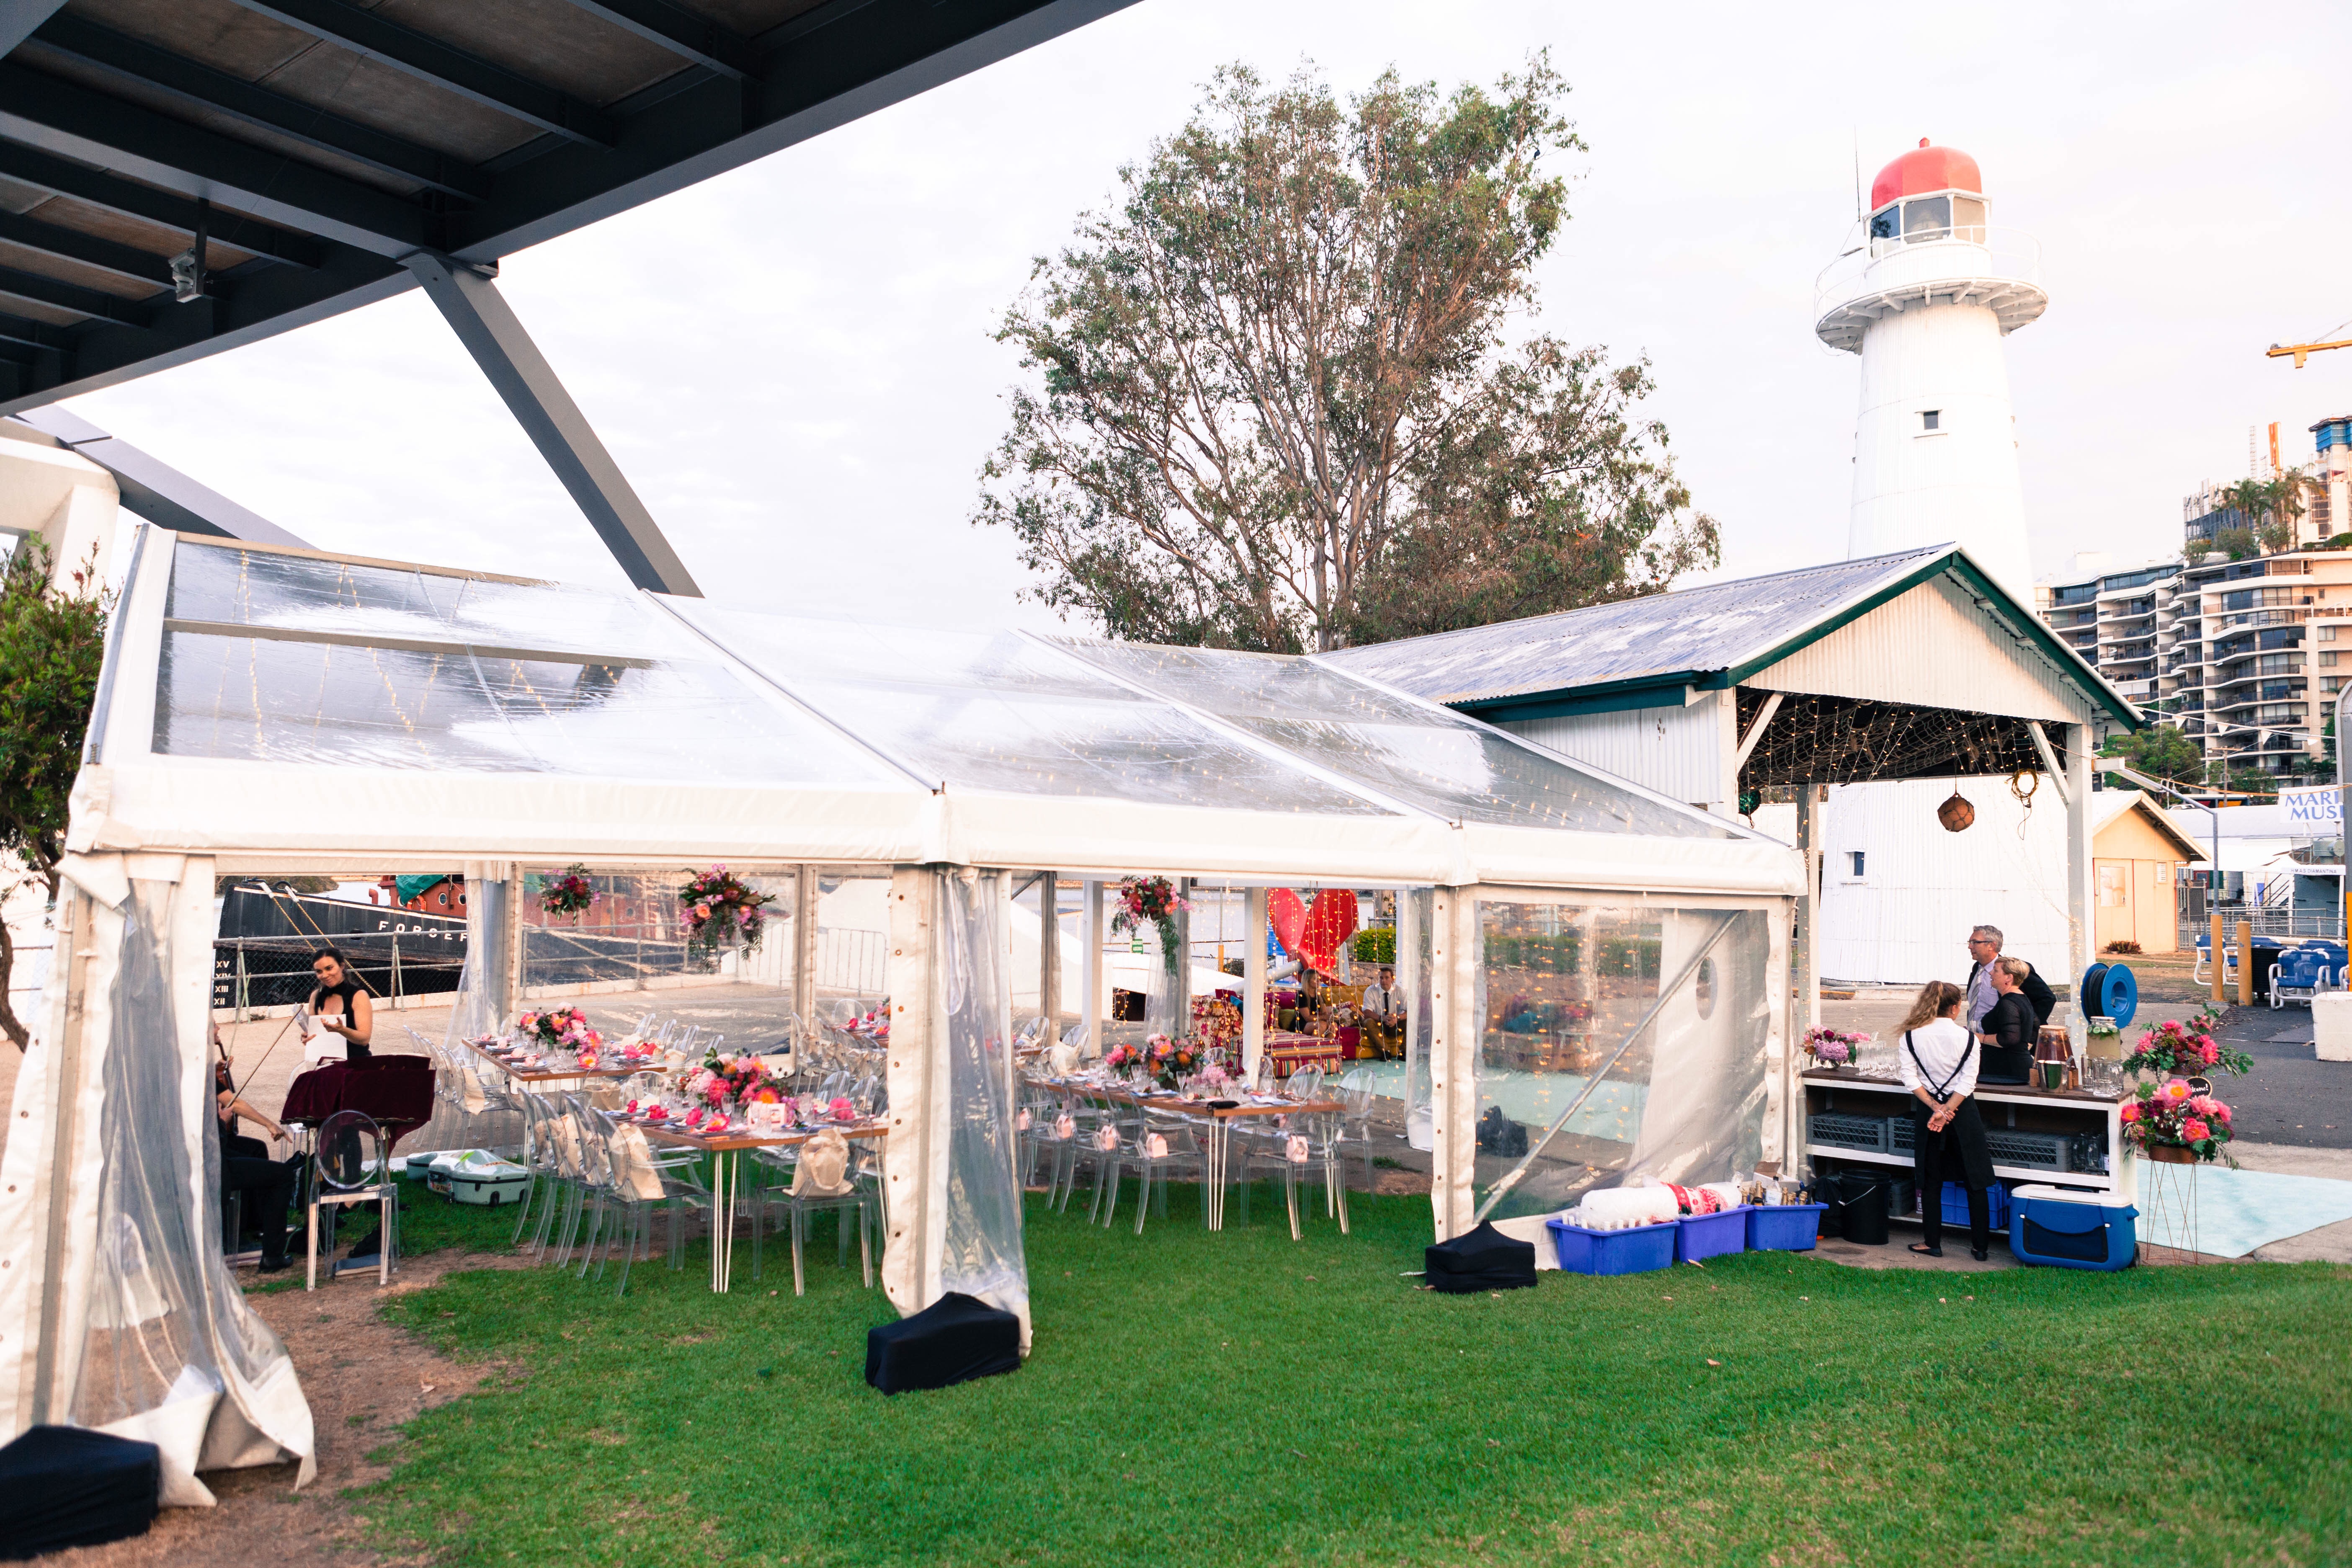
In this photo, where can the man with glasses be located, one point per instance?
(1984, 946)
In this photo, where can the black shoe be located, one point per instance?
(1977, 1253)
(1924, 1250)
(280, 1267)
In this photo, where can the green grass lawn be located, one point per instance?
(1241, 1398)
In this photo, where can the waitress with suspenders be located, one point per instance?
(1939, 1065)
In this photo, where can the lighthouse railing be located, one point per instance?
(2006, 254)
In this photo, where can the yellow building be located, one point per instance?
(2136, 855)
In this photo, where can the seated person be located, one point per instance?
(267, 1185)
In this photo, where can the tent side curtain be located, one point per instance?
(134, 1325)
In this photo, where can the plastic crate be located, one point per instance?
(1837, 1129)
(1902, 1135)
(1784, 1227)
(1955, 1204)
(2034, 1150)
(1635, 1251)
(1698, 1235)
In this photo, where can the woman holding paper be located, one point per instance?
(339, 1004)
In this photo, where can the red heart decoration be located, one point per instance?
(1288, 913)
(1330, 923)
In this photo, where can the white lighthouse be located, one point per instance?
(1925, 298)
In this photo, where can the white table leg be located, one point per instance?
(312, 1248)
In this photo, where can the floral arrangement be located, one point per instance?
(561, 1029)
(1217, 1022)
(1172, 1060)
(1217, 1081)
(737, 1080)
(709, 1123)
(718, 904)
(2187, 1050)
(1123, 1058)
(1152, 901)
(1833, 1047)
(2173, 1115)
(568, 896)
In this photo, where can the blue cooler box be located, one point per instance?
(2071, 1229)
(1634, 1251)
(1698, 1235)
(1784, 1227)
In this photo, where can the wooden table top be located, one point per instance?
(2005, 1092)
(731, 1142)
(1177, 1103)
(555, 1074)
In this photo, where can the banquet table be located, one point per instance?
(1220, 1118)
(562, 1075)
(727, 1174)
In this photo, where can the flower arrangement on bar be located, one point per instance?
(568, 896)
(2173, 1123)
(1152, 901)
(2184, 1050)
(561, 1029)
(718, 907)
(1833, 1047)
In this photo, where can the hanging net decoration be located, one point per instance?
(1955, 814)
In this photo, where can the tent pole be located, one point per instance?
(1098, 997)
(67, 1022)
(2081, 930)
(805, 893)
(1049, 954)
(1253, 985)
(1806, 969)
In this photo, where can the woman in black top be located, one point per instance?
(340, 1003)
(2009, 1031)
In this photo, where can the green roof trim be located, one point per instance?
(1616, 695)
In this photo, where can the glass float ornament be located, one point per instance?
(1955, 814)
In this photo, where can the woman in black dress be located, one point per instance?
(2009, 1031)
(340, 1003)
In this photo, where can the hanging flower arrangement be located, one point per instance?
(2173, 1049)
(568, 896)
(1152, 901)
(2172, 1120)
(720, 906)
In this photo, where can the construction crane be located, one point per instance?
(2301, 351)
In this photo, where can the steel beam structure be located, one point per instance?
(488, 328)
(18, 18)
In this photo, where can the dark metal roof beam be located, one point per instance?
(19, 18)
(35, 335)
(72, 244)
(93, 302)
(492, 333)
(116, 55)
(454, 70)
(48, 112)
(31, 166)
(681, 32)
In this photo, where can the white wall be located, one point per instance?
(1679, 751)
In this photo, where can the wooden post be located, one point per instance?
(2245, 962)
(1253, 985)
(1805, 963)
(2220, 941)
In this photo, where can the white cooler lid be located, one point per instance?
(2046, 1193)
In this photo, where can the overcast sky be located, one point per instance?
(793, 364)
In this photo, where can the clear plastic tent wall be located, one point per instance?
(980, 1253)
(110, 1220)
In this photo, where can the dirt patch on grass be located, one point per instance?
(363, 1378)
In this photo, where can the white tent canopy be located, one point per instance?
(267, 710)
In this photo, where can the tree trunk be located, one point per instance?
(17, 1034)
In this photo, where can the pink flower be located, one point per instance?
(2177, 1089)
(2219, 1112)
(2129, 1112)
(2195, 1131)
(2209, 1052)
(702, 911)
(717, 1093)
(842, 1110)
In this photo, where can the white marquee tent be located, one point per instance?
(272, 712)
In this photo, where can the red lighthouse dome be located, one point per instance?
(1924, 169)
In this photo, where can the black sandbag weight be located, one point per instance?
(1482, 1259)
(63, 1485)
(954, 1340)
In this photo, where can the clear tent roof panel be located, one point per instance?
(287, 658)
(1000, 711)
(1413, 752)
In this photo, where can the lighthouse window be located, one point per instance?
(1887, 225)
(1931, 419)
(1968, 218)
(1929, 217)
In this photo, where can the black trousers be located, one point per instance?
(1956, 1153)
(269, 1189)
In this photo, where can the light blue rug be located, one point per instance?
(2238, 1211)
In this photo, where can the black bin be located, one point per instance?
(1857, 1206)
(2265, 958)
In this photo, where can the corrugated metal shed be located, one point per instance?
(1637, 652)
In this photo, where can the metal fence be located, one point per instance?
(260, 971)
(2272, 922)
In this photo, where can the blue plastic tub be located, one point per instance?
(2067, 1233)
(1784, 1227)
(1633, 1251)
(1698, 1235)
(1955, 1204)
